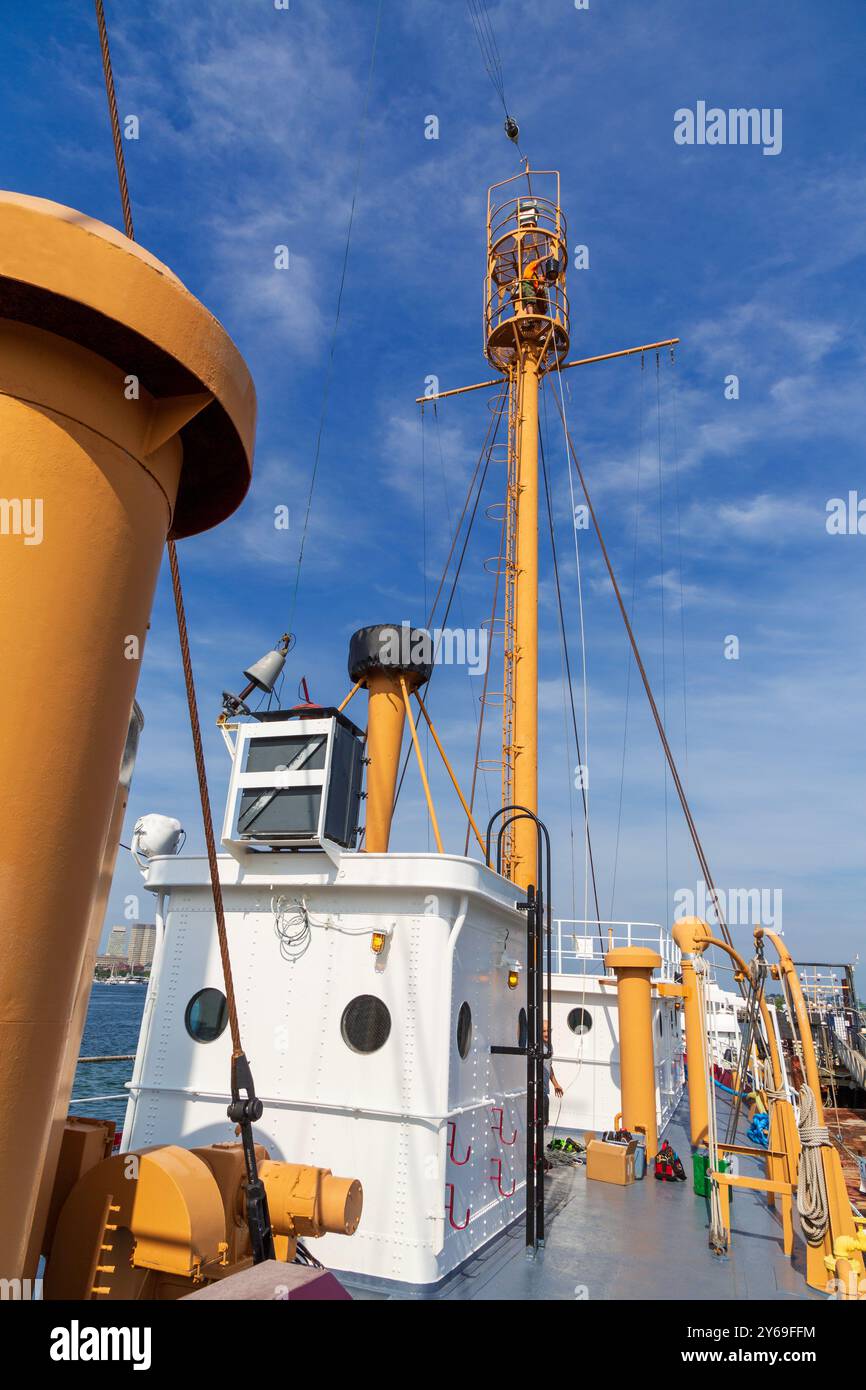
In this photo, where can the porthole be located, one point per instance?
(579, 1021)
(464, 1030)
(366, 1024)
(206, 1015)
(522, 1029)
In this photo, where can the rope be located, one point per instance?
(813, 1206)
(773, 1095)
(207, 818)
(195, 724)
(115, 120)
(242, 1110)
(757, 978)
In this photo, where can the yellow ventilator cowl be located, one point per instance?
(691, 934)
(126, 415)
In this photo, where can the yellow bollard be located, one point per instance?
(633, 967)
(691, 936)
(126, 415)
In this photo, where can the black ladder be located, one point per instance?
(536, 1051)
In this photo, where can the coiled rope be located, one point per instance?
(813, 1206)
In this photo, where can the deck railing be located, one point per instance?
(578, 946)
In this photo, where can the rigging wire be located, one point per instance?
(486, 36)
(562, 628)
(585, 789)
(326, 391)
(424, 574)
(423, 511)
(630, 657)
(487, 448)
(469, 677)
(690, 821)
(662, 606)
(680, 565)
(483, 699)
(566, 691)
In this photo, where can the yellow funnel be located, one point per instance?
(126, 415)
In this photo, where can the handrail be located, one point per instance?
(583, 959)
(89, 1100)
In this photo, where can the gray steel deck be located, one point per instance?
(646, 1241)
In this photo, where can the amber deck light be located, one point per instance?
(126, 415)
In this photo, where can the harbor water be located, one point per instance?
(113, 1021)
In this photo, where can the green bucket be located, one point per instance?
(700, 1168)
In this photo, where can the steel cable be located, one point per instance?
(690, 822)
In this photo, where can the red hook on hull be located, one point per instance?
(456, 1225)
(458, 1162)
(497, 1178)
(497, 1129)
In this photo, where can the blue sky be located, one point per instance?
(249, 124)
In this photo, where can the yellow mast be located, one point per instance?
(526, 333)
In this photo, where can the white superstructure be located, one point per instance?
(371, 989)
(723, 1024)
(585, 1024)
